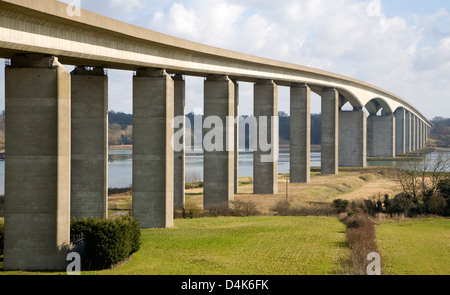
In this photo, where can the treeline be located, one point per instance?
(121, 130)
(285, 128)
(440, 133)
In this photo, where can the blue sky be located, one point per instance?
(404, 49)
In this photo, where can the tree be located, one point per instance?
(420, 177)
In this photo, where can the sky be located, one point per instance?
(402, 46)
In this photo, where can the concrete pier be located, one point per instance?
(352, 139)
(400, 131)
(236, 137)
(218, 136)
(179, 171)
(381, 136)
(300, 143)
(265, 155)
(407, 132)
(330, 131)
(37, 167)
(422, 142)
(153, 112)
(417, 133)
(89, 181)
(413, 133)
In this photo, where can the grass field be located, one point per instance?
(268, 244)
(415, 247)
(240, 246)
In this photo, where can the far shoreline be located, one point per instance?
(121, 147)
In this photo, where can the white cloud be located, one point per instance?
(407, 56)
(127, 6)
(338, 36)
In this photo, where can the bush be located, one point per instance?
(340, 205)
(361, 239)
(401, 203)
(436, 204)
(107, 241)
(2, 236)
(444, 187)
(237, 209)
(285, 208)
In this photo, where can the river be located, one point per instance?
(120, 168)
(120, 165)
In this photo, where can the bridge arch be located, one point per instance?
(376, 104)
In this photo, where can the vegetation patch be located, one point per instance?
(2, 206)
(240, 246)
(415, 246)
(361, 240)
(2, 236)
(286, 208)
(107, 241)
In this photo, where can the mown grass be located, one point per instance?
(415, 247)
(240, 246)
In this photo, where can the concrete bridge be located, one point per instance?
(57, 127)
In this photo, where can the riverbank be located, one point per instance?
(350, 184)
(121, 147)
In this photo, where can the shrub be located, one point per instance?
(107, 241)
(2, 236)
(340, 205)
(361, 239)
(285, 208)
(401, 203)
(237, 209)
(436, 204)
(444, 187)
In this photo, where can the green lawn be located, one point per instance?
(415, 247)
(240, 246)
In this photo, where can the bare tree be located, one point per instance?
(438, 170)
(420, 176)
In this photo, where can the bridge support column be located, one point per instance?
(265, 155)
(413, 133)
(381, 136)
(330, 131)
(37, 167)
(218, 134)
(236, 137)
(153, 112)
(300, 143)
(352, 139)
(89, 180)
(407, 132)
(400, 126)
(417, 133)
(422, 141)
(179, 170)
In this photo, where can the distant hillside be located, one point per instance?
(121, 128)
(124, 120)
(440, 133)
